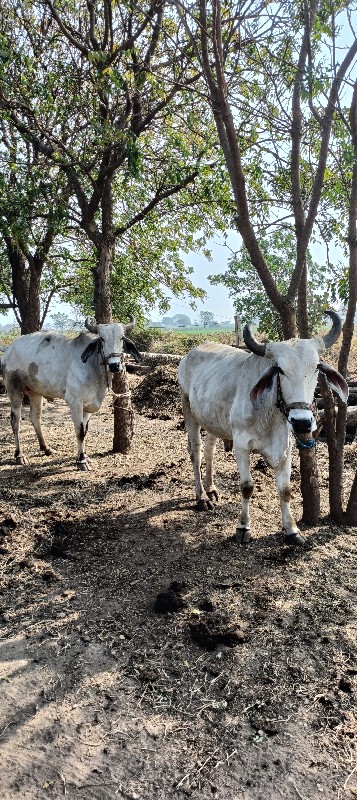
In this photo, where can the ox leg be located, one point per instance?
(194, 446)
(15, 417)
(282, 477)
(80, 420)
(210, 449)
(243, 534)
(35, 417)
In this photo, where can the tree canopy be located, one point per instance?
(104, 95)
(278, 79)
(247, 292)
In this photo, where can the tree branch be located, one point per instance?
(163, 195)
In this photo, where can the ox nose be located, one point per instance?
(115, 366)
(301, 420)
(301, 424)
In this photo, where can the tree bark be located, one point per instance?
(308, 460)
(105, 244)
(26, 278)
(351, 510)
(309, 482)
(123, 414)
(102, 272)
(302, 305)
(335, 452)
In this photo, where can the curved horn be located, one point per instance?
(331, 337)
(130, 324)
(91, 325)
(252, 343)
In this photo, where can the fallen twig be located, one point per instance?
(6, 726)
(349, 776)
(198, 771)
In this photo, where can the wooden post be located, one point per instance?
(238, 330)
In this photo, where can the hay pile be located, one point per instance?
(158, 396)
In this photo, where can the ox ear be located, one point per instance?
(129, 347)
(263, 386)
(335, 380)
(88, 352)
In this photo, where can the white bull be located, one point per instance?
(78, 370)
(254, 399)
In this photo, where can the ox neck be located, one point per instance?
(102, 363)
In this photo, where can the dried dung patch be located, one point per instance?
(158, 396)
(212, 631)
(168, 602)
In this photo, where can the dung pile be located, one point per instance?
(158, 396)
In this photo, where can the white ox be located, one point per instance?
(77, 370)
(254, 399)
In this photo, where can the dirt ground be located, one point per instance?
(143, 653)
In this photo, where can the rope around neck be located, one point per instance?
(304, 445)
(122, 394)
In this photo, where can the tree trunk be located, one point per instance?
(106, 251)
(123, 414)
(351, 510)
(309, 483)
(335, 452)
(308, 461)
(26, 280)
(302, 306)
(123, 410)
(26, 273)
(102, 272)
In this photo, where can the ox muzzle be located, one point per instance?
(301, 418)
(114, 362)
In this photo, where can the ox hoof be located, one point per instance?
(21, 460)
(84, 465)
(46, 451)
(213, 495)
(243, 535)
(204, 505)
(295, 539)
